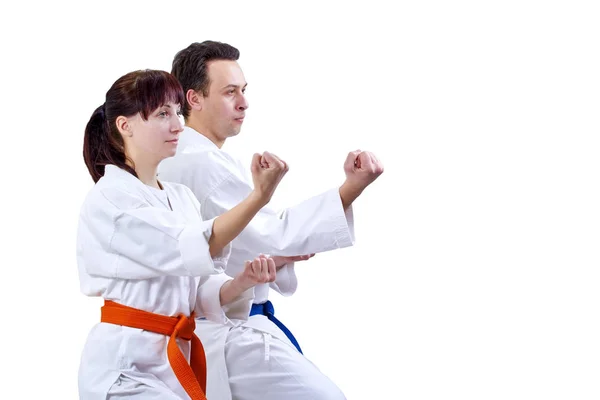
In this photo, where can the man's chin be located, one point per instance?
(234, 132)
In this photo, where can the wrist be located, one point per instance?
(349, 191)
(239, 284)
(230, 291)
(258, 198)
(352, 186)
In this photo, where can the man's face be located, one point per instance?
(225, 105)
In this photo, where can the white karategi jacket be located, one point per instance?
(133, 249)
(220, 182)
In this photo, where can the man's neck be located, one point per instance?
(199, 127)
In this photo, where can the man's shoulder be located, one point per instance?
(201, 171)
(204, 161)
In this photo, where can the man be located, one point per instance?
(259, 359)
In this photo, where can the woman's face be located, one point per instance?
(156, 138)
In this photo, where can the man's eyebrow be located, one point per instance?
(231, 85)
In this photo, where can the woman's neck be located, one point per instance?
(146, 172)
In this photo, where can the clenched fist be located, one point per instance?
(362, 168)
(267, 171)
(260, 270)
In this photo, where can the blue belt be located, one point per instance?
(268, 311)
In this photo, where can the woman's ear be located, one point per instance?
(124, 126)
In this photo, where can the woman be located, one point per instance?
(144, 248)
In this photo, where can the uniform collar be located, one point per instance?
(191, 141)
(113, 172)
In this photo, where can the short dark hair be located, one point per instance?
(136, 92)
(190, 66)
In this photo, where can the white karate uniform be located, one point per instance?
(134, 250)
(256, 360)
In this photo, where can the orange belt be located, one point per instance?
(192, 376)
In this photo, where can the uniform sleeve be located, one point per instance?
(123, 237)
(208, 303)
(286, 282)
(316, 225)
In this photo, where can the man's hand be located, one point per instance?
(280, 261)
(361, 168)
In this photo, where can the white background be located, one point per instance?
(475, 274)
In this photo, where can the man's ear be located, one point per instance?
(195, 99)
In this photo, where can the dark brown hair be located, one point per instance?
(136, 92)
(190, 66)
